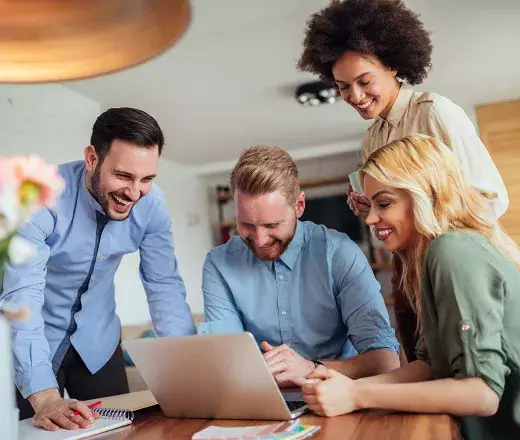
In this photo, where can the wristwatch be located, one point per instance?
(317, 363)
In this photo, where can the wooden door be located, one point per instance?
(499, 126)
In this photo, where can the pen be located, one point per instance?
(92, 405)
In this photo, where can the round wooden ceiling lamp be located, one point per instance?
(60, 40)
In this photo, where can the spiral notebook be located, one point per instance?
(110, 419)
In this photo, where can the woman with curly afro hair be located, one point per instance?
(374, 50)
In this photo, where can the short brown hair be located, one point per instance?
(265, 169)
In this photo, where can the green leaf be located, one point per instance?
(4, 255)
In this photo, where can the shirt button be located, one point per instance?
(72, 338)
(100, 257)
(465, 327)
(284, 313)
(281, 277)
(77, 315)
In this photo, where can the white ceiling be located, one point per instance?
(228, 83)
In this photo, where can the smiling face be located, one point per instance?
(267, 223)
(366, 84)
(391, 214)
(123, 178)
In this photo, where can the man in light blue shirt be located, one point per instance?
(306, 293)
(109, 208)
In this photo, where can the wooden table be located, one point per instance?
(151, 424)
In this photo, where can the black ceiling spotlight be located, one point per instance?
(315, 93)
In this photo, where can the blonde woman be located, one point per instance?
(461, 273)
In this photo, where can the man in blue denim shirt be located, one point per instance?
(109, 208)
(306, 293)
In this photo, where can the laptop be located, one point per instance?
(212, 376)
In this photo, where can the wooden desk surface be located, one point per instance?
(151, 424)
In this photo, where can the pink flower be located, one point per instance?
(26, 184)
(39, 183)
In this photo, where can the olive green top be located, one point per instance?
(471, 322)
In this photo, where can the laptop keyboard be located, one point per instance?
(295, 404)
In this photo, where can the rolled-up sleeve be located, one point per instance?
(220, 311)
(359, 298)
(463, 290)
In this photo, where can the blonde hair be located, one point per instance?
(442, 197)
(265, 169)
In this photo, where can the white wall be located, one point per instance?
(48, 120)
(56, 122)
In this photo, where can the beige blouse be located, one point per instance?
(437, 116)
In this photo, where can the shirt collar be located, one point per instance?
(401, 103)
(85, 195)
(293, 250)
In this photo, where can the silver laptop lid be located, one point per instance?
(209, 376)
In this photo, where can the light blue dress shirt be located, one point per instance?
(69, 286)
(320, 297)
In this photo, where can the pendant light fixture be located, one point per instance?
(60, 40)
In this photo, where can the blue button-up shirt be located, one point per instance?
(320, 297)
(69, 286)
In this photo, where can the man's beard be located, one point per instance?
(278, 248)
(104, 200)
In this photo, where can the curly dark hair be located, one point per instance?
(386, 29)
